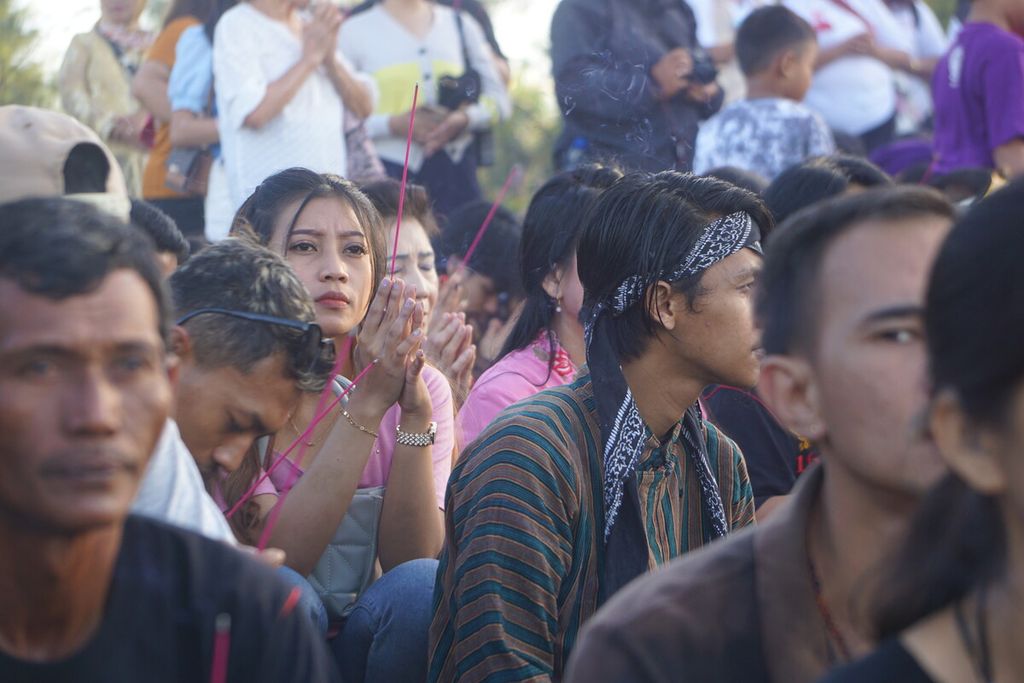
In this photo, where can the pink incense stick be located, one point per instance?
(275, 513)
(405, 177)
(301, 440)
(221, 648)
(513, 175)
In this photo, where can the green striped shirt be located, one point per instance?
(523, 550)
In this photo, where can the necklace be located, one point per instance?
(312, 435)
(834, 636)
(979, 652)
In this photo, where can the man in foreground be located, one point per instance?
(87, 592)
(571, 494)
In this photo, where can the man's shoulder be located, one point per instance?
(677, 594)
(204, 568)
(555, 416)
(699, 614)
(552, 431)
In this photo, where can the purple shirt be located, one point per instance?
(978, 90)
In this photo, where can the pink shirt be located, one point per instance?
(517, 376)
(378, 467)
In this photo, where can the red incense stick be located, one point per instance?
(301, 440)
(221, 648)
(405, 177)
(513, 175)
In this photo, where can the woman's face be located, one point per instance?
(415, 261)
(121, 11)
(331, 255)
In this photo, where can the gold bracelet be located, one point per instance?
(357, 425)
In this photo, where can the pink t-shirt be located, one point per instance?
(517, 376)
(378, 467)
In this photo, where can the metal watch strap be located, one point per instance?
(417, 440)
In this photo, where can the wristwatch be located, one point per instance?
(419, 440)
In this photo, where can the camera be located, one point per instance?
(704, 69)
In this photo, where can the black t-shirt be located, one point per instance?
(775, 456)
(890, 663)
(169, 587)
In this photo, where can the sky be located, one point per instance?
(521, 25)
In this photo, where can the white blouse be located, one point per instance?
(855, 93)
(251, 51)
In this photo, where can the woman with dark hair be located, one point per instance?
(820, 178)
(951, 603)
(392, 441)
(449, 343)
(150, 88)
(545, 347)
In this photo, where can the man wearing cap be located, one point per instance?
(574, 492)
(46, 153)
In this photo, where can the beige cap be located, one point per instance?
(34, 147)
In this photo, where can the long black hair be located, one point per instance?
(974, 322)
(550, 231)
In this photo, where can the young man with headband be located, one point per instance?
(574, 492)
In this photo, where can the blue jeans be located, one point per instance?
(309, 602)
(384, 638)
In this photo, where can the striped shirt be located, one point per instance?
(523, 555)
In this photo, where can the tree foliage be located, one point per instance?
(22, 80)
(526, 139)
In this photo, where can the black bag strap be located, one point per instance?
(457, 7)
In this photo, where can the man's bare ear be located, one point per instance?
(974, 452)
(787, 63)
(181, 344)
(663, 305)
(787, 386)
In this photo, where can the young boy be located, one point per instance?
(770, 130)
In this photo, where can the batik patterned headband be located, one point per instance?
(718, 240)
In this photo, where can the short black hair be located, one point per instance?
(786, 302)
(767, 32)
(496, 254)
(58, 248)
(645, 224)
(161, 228)
(820, 178)
(748, 180)
(240, 275)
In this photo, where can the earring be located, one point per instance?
(558, 305)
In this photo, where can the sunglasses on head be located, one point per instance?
(315, 349)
